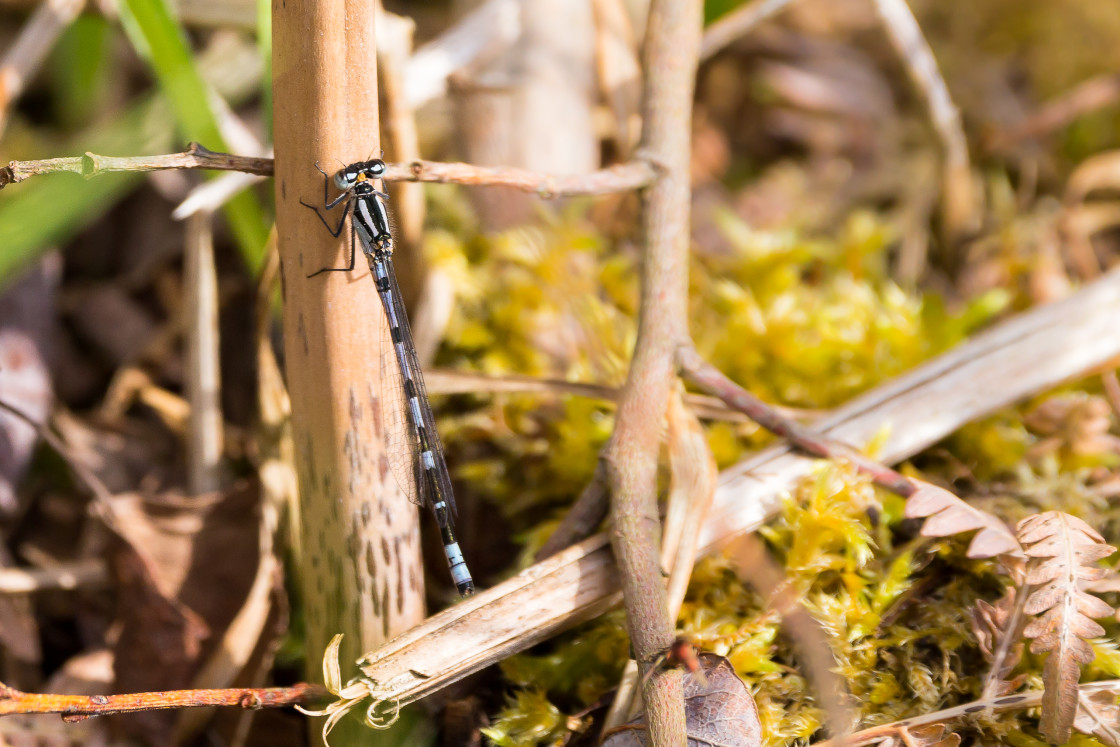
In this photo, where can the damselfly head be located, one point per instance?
(356, 173)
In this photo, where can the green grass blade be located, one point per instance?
(160, 41)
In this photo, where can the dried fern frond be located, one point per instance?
(999, 630)
(1098, 715)
(946, 514)
(1063, 552)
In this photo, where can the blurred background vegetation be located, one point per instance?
(819, 269)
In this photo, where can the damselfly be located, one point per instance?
(423, 471)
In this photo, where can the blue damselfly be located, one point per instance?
(415, 449)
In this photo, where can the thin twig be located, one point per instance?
(582, 518)
(737, 23)
(1088, 96)
(621, 178)
(672, 48)
(84, 475)
(81, 574)
(444, 381)
(92, 164)
(754, 566)
(958, 202)
(202, 376)
(706, 376)
(1019, 702)
(75, 707)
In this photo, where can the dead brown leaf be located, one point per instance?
(945, 514)
(999, 630)
(1098, 715)
(1063, 552)
(720, 712)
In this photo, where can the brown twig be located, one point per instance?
(1018, 702)
(92, 164)
(582, 518)
(445, 381)
(958, 208)
(737, 23)
(84, 475)
(706, 376)
(672, 48)
(1088, 96)
(632, 175)
(754, 565)
(81, 574)
(77, 707)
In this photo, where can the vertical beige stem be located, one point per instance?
(360, 574)
(203, 378)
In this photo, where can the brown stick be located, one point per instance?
(359, 551)
(92, 164)
(77, 707)
(621, 178)
(671, 52)
(712, 380)
(959, 209)
(1089, 96)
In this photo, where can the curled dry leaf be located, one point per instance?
(1098, 715)
(999, 629)
(946, 514)
(720, 712)
(1063, 552)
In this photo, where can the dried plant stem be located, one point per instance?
(621, 178)
(92, 164)
(671, 52)
(445, 381)
(1089, 96)
(202, 375)
(958, 208)
(1020, 702)
(81, 574)
(737, 23)
(706, 376)
(75, 707)
(582, 518)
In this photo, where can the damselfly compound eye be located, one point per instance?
(376, 169)
(346, 178)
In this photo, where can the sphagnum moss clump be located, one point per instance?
(803, 323)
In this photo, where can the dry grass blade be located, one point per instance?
(1063, 552)
(1098, 715)
(946, 514)
(999, 630)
